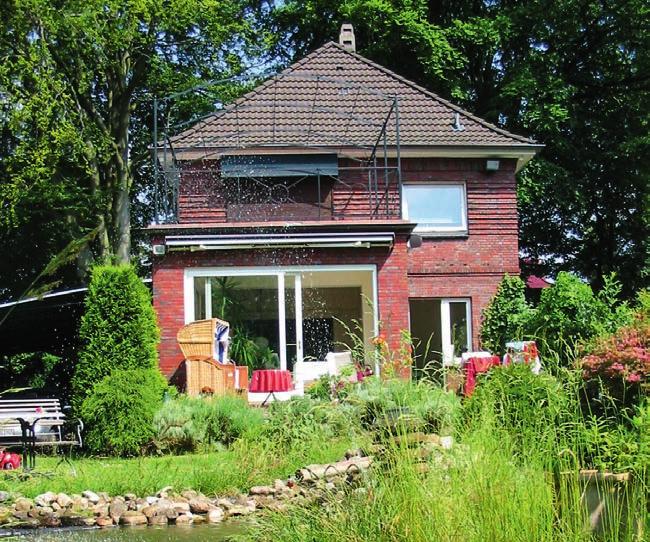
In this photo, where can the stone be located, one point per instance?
(50, 520)
(150, 511)
(242, 509)
(4, 496)
(91, 496)
(199, 505)
(22, 504)
(164, 492)
(170, 513)
(198, 518)
(130, 496)
(152, 500)
(184, 519)
(45, 499)
(117, 509)
(5, 515)
(133, 518)
(27, 523)
(70, 519)
(165, 503)
(104, 522)
(182, 507)
(104, 496)
(261, 490)
(55, 506)
(101, 510)
(157, 520)
(216, 515)
(64, 500)
(189, 494)
(225, 503)
(279, 485)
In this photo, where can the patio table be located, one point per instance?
(270, 381)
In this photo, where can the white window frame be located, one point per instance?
(279, 272)
(438, 229)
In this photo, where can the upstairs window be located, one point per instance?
(436, 208)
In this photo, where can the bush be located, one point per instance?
(118, 329)
(506, 315)
(119, 411)
(190, 423)
(569, 314)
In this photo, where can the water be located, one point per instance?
(185, 533)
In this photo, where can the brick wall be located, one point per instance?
(168, 276)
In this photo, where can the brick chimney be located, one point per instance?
(346, 38)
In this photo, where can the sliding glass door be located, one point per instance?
(283, 315)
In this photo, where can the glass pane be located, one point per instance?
(250, 305)
(199, 298)
(433, 206)
(459, 328)
(426, 333)
(290, 313)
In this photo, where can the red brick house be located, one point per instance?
(338, 193)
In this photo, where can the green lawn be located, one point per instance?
(236, 469)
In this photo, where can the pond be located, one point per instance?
(198, 533)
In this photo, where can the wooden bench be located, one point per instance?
(33, 423)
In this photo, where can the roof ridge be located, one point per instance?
(429, 93)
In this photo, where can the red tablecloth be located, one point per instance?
(477, 365)
(267, 381)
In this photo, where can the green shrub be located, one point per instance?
(505, 317)
(119, 411)
(569, 314)
(191, 423)
(118, 329)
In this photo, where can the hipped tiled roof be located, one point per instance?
(333, 97)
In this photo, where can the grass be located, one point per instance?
(235, 469)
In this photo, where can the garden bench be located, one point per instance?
(33, 423)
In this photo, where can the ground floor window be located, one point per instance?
(284, 315)
(441, 330)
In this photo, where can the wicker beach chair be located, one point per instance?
(204, 344)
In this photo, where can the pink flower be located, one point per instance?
(634, 377)
(617, 367)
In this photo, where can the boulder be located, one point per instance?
(157, 520)
(4, 496)
(22, 504)
(64, 500)
(133, 518)
(185, 519)
(104, 522)
(189, 494)
(200, 505)
(181, 507)
(262, 490)
(117, 509)
(216, 515)
(50, 520)
(164, 492)
(45, 499)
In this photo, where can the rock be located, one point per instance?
(165, 503)
(275, 506)
(28, 523)
(104, 496)
(261, 490)
(4, 496)
(50, 520)
(63, 500)
(243, 509)
(170, 513)
(279, 485)
(45, 499)
(101, 510)
(133, 518)
(22, 504)
(216, 515)
(199, 505)
(198, 518)
(5, 515)
(149, 511)
(117, 509)
(104, 522)
(164, 492)
(181, 507)
(91, 496)
(70, 519)
(152, 500)
(185, 519)
(225, 503)
(130, 496)
(55, 506)
(157, 520)
(189, 494)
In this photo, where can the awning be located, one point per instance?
(279, 165)
(296, 240)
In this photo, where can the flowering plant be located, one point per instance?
(623, 356)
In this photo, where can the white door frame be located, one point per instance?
(445, 324)
(280, 272)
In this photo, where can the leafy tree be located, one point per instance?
(571, 74)
(118, 329)
(76, 83)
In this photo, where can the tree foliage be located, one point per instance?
(77, 79)
(118, 329)
(571, 74)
